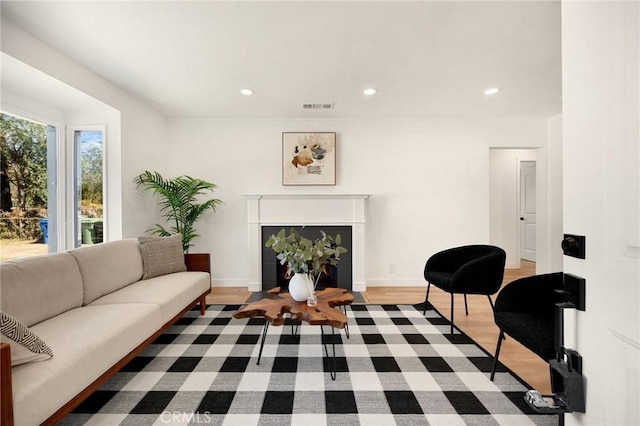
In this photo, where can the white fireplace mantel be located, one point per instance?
(309, 210)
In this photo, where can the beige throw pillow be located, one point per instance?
(25, 345)
(161, 255)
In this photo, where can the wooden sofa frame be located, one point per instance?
(194, 261)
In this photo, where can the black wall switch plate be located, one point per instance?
(574, 245)
(574, 291)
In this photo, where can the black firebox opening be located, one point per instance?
(274, 274)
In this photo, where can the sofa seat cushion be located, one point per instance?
(86, 341)
(171, 292)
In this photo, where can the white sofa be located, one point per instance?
(91, 307)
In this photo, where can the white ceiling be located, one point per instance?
(427, 59)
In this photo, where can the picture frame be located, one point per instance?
(308, 158)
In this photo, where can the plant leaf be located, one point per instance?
(178, 202)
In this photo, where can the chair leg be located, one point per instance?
(466, 309)
(452, 315)
(495, 357)
(493, 309)
(426, 299)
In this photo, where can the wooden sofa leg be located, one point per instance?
(6, 388)
(203, 304)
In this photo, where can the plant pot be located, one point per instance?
(300, 286)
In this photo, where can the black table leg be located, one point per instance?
(326, 351)
(264, 335)
(346, 326)
(294, 332)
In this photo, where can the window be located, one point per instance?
(52, 191)
(24, 171)
(88, 188)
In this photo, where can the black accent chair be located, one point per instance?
(525, 311)
(473, 269)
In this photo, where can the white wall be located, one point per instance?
(601, 133)
(429, 182)
(21, 106)
(550, 231)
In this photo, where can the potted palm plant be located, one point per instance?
(180, 206)
(305, 259)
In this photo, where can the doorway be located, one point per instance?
(528, 210)
(504, 200)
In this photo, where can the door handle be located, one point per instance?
(574, 245)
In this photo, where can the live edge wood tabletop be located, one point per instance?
(324, 313)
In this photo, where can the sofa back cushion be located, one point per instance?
(37, 288)
(108, 267)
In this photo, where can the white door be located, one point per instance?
(601, 163)
(528, 210)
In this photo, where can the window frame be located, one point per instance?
(71, 187)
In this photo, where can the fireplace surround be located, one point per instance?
(317, 210)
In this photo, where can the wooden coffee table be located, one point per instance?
(274, 308)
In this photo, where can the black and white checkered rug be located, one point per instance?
(396, 368)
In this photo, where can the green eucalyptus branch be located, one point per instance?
(301, 255)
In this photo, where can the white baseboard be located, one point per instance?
(397, 283)
(384, 282)
(228, 282)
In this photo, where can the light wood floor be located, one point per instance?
(478, 325)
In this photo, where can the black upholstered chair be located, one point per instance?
(524, 310)
(473, 269)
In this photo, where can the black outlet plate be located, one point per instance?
(573, 291)
(574, 246)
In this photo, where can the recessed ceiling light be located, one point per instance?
(370, 92)
(491, 91)
(246, 92)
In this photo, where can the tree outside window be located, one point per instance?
(23, 177)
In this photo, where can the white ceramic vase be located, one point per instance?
(299, 286)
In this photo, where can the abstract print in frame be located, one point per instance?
(309, 158)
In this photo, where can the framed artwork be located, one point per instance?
(308, 158)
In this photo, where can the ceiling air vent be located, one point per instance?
(317, 106)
